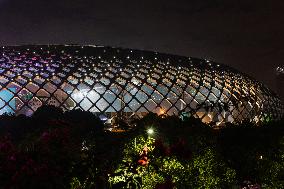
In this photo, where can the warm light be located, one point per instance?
(162, 111)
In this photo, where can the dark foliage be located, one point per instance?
(246, 145)
(52, 148)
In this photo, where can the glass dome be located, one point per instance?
(114, 81)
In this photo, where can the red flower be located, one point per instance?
(143, 162)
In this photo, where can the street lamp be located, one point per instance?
(150, 131)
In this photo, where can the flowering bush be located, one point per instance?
(166, 166)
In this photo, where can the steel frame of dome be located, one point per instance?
(114, 81)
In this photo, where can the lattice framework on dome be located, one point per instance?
(116, 81)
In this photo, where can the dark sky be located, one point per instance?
(245, 34)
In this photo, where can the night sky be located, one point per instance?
(245, 34)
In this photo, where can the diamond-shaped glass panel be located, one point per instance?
(25, 95)
(53, 102)
(99, 88)
(32, 87)
(94, 109)
(147, 89)
(163, 90)
(67, 88)
(110, 109)
(49, 87)
(93, 96)
(86, 104)
(180, 104)
(78, 95)
(60, 95)
(102, 104)
(18, 104)
(134, 105)
(150, 105)
(118, 104)
(109, 96)
(193, 104)
(14, 87)
(35, 103)
(173, 111)
(141, 96)
(6, 94)
(157, 97)
(2, 103)
(6, 109)
(126, 97)
(166, 105)
(69, 104)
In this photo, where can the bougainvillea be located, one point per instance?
(167, 166)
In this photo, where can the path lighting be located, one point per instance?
(150, 131)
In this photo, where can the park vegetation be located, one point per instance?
(55, 149)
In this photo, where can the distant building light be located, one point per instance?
(280, 70)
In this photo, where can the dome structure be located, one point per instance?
(114, 81)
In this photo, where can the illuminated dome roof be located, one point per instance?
(109, 81)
